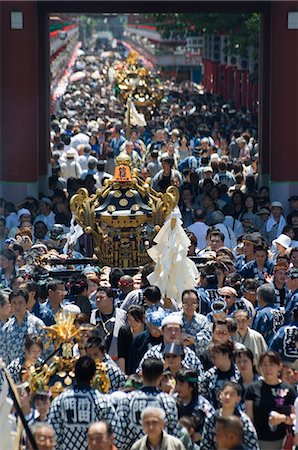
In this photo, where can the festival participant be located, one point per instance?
(72, 411)
(223, 370)
(268, 318)
(229, 433)
(20, 367)
(18, 326)
(250, 338)
(230, 397)
(95, 348)
(153, 423)
(130, 407)
(172, 333)
(127, 333)
(101, 436)
(284, 341)
(5, 309)
(190, 402)
(269, 403)
(245, 362)
(108, 319)
(44, 435)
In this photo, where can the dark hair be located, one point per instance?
(236, 386)
(246, 352)
(137, 312)
(274, 357)
(217, 233)
(53, 284)
(152, 369)
(226, 348)
(77, 284)
(85, 369)
(146, 270)
(19, 292)
(114, 276)
(189, 376)
(153, 294)
(219, 322)
(8, 254)
(97, 342)
(190, 291)
(31, 339)
(109, 291)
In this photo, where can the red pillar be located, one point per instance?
(284, 102)
(19, 161)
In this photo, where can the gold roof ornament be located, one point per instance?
(123, 216)
(58, 373)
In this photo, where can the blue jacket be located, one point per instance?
(267, 321)
(284, 342)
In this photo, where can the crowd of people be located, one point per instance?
(215, 369)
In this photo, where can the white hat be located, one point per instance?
(277, 204)
(214, 157)
(172, 318)
(72, 308)
(70, 153)
(45, 200)
(207, 169)
(283, 240)
(22, 212)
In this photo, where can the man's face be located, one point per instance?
(58, 294)
(102, 300)
(190, 303)
(18, 307)
(40, 230)
(215, 243)
(228, 297)
(172, 333)
(221, 333)
(98, 438)
(152, 425)
(45, 439)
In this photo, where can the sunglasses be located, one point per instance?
(225, 296)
